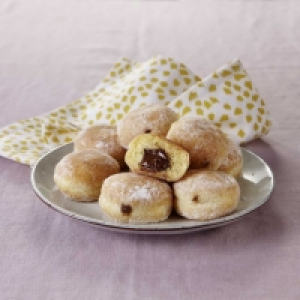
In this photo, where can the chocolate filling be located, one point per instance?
(154, 160)
(147, 130)
(126, 209)
(195, 199)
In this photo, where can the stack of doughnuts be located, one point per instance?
(151, 163)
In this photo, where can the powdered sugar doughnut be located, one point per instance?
(103, 138)
(206, 144)
(133, 198)
(155, 119)
(206, 195)
(79, 175)
(233, 163)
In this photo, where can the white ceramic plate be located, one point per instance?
(256, 182)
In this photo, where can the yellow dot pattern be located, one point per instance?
(158, 80)
(27, 140)
(227, 97)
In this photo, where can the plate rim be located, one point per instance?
(149, 230)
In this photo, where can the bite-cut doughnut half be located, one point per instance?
(155, 156)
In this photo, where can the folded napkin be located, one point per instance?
(227, 97)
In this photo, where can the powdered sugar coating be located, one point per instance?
(133, 198)
(85, 161)
(132, 187)
(207, 180)
(102, 144)
(206, 144)
(156, 119)
(233, 162)
(138, 193)
(97, 136)
(80, 175)
(206, 195)
(102, 138)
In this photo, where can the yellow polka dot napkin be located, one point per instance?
(227, 97)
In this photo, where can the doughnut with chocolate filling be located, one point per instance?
(133, 198)
(155, 156)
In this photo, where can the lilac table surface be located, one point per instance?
(52, 52)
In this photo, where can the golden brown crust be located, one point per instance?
(206, 195)
(155, 119)
(233, 163)
(79, 175)
(133, 198)
(177, 156)
(103, 138)
(206, 144)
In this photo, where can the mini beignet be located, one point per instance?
(79, 175)
(133, 198)
(206, 195)
(103, 138)
(206, 144)
(155, 119)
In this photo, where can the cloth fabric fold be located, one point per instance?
(227, 97)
